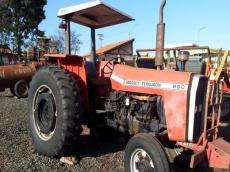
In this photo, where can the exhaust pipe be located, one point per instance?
(160, 38)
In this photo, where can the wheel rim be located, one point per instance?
(141, 161)
(44, 113)
(22, 89)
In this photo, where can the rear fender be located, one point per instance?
(76, 66)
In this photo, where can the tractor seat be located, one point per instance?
(146, 63)
(92, 78)
(195, 66)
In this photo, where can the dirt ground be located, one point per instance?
(16, 151)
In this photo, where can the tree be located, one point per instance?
(58, 40)
(75, 42)
(5, 35)
(5, 38)
(20, 18)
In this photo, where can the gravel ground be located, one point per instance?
(16, 151)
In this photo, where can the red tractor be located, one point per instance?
(162, 109)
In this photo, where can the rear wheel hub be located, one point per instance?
(46, 116)
(141, 161)
(45, 113)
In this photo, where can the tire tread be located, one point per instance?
(70, 108)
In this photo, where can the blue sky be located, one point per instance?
(184, 19)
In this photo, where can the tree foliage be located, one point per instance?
(20, 19)
(5, 38)
(58, 40)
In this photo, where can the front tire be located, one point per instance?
(144, 153)
(54, 114)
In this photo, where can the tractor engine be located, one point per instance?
(135, 113)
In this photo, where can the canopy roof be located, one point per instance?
(95, 14)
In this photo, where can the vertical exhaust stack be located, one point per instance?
(160, 38)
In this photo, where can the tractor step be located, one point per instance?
(219, 154)
(221, 145)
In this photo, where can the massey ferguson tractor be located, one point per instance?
(169, 113)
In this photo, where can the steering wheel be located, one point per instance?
(108, 65)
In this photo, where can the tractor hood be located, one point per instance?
(182, 93)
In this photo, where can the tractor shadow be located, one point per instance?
(99, 145)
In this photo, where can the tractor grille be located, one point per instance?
(199, 107)
(196, 107)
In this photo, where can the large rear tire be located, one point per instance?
(144, 153)
(54, 111)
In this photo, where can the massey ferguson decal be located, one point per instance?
(150, 84)
(156, 85)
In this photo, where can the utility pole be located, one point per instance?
(198, 33)
(101, 38)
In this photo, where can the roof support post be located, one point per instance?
(93, 57)
(67, 38)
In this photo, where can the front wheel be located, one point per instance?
(144, 153)
(55, 109)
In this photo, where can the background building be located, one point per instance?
(123, 49)
(7, 57)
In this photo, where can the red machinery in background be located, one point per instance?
(15, 75)
(17, 78)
